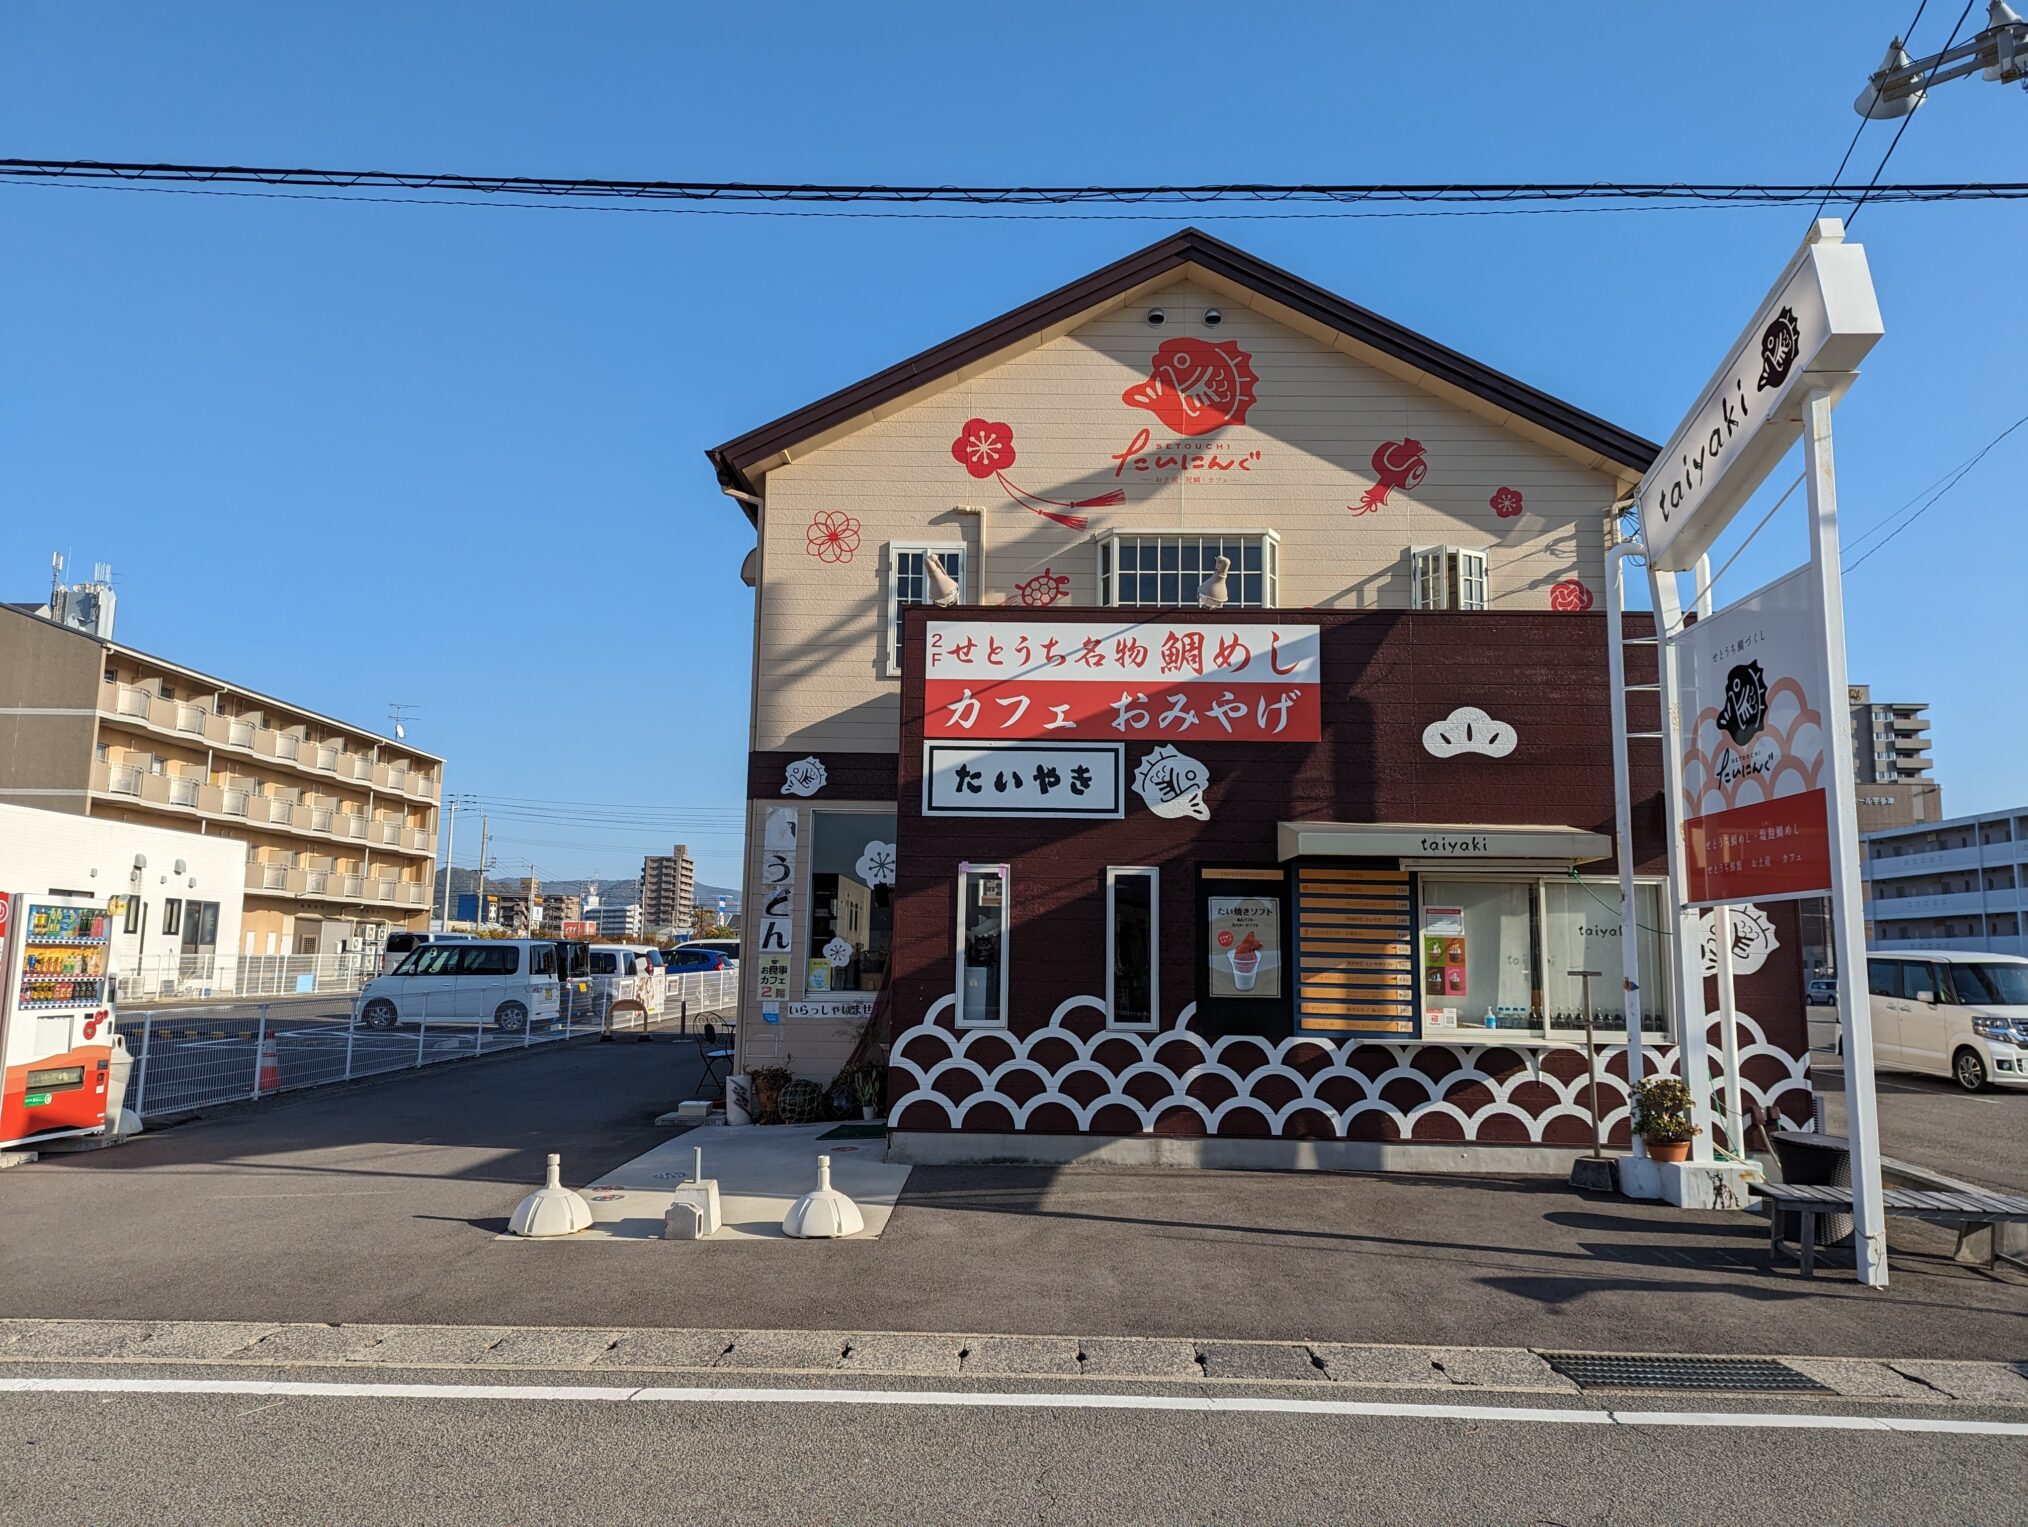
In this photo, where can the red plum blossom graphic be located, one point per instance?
(1043, 590)
(1506, 502)
(1570, 595)
(833, 536)
(1195, 386)
(1396, 464)
(985, 448)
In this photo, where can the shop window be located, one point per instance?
(1496, 957)
(1133, 981)
(1164, 571)
(851, 857)
(982, 946)
(172, 916)
(1449, 578)
(908, 584)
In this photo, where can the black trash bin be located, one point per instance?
(1811, 1160)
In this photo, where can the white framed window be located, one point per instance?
(1161, 571)
(1133, 949)
(1448, 578)
(982, 946)
(908, 583)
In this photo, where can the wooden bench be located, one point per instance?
(1973, 1211)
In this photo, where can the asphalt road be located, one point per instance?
(385, 1203)
(760, 1454)
(1930, 1121)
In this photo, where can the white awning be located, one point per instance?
(1418, 845)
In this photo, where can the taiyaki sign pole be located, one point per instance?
(1813, 330)
(1757, 737)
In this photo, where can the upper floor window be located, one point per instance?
(1166, 570)
(1449, 578)
(908, 583)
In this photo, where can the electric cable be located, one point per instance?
(1955, 478)
(1895, 141)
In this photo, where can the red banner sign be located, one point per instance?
(1114, 680)
(1767, 851)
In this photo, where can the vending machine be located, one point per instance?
(56, 1017)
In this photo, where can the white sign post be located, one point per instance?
(1779, 383)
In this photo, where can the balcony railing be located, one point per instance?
(327, 757)
(123, 779)
(267, 877)
(190, 718)
(239, 734)
(314, 882)
(233, 802)
(133, 702)
(355, 825)
(288, 745)
(183, 792)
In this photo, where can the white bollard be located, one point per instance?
(551, 1209)
(823, 1213)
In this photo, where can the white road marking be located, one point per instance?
(1216, 1404)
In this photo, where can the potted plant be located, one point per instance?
(867, 1084)
(1662, 1114)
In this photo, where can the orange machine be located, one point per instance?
(56, 1017)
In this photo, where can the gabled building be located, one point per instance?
(1182, 692)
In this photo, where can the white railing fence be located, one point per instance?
(201, 1057)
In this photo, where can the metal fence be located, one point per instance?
(187, 1059)
(197, 977)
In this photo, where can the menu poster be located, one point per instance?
(817, 975)
(1245, 946)
(1443, 958)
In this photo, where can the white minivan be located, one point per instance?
(507, 982)
(627, 983)
(1951, 1013)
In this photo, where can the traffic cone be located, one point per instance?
(270, 1077)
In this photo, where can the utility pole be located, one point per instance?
(450, 857)
(482, 870)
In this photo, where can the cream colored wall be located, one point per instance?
(1318, 417)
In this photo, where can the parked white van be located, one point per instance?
(507, 982)
(1951, 1013)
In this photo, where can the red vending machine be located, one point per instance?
(56, 1017)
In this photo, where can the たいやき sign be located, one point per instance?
(1755, 762)
(1122, 680)
(1011, 779)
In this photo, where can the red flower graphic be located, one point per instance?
(1396, 464)
(1506, 502)
(833, 536)
(983, 447)
(1195, 386)
(1569, 595)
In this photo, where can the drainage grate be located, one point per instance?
(1591, 1371)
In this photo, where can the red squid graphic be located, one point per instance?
(985, 449)
(1396, 464)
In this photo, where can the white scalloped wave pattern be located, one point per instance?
(931, 1052)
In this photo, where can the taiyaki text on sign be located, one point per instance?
(1178, 680)
(1013, 779)
(1756, 741)
(1812, 331)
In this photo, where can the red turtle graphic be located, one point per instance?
(1043, 590)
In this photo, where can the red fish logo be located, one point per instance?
(1195, 387)
(1396, 464)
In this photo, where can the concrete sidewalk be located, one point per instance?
(385, 1204)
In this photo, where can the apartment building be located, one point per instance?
(339, 824)
(1961, 883)
(617, 922)
(669, 890)
(1258, 736)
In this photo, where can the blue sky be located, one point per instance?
(357, 453)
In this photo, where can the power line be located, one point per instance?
(1954, 479)
(1478, 195)
(1853, 142)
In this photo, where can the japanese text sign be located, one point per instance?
(1197, 677)
(999, 779)
(1756, 754)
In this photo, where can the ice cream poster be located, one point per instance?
(1245, 946)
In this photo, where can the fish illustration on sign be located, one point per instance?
(1195, 386)
(806, 776)
(1172, 784)
(1780, 343)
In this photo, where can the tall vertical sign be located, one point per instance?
(775, 931)
(1751, 813)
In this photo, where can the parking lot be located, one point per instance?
(188, 1058)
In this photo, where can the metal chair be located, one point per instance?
(712, 1053)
